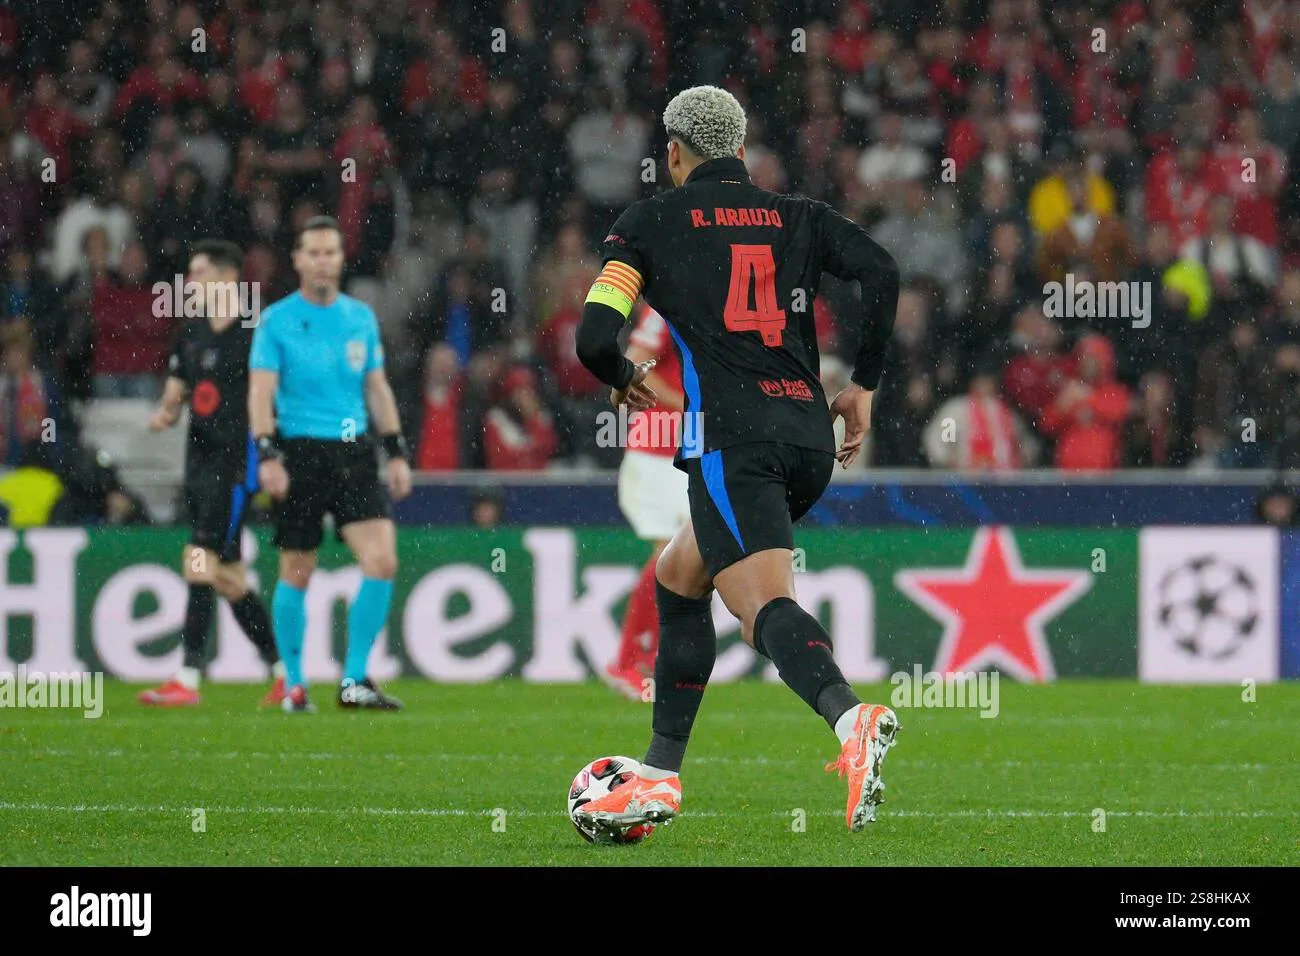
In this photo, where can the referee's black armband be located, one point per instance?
(597, 345)
(395, 446)
(268, 450)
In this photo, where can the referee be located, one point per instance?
(316, 376)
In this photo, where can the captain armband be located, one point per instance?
(618, 286)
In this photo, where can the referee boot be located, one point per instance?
(365, 695)
(297, 702)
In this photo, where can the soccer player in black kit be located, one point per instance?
(728, 265)
(209, 366)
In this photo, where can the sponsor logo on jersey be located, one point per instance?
(795, 388)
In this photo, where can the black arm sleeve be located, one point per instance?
(176, 367)
(601, 324)
(598, 345)
(848, 252)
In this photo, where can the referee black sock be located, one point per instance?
(688, 648)
(198, 622)
(251, 614)
(800, 648)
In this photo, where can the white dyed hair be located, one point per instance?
(708, 119)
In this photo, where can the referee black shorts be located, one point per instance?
(338, 477)
(219, 488)
(746, 498)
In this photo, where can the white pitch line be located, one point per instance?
(910, 717)
(141, 754)
(708, 815)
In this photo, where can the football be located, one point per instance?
(594, 781)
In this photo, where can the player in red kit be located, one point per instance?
(651, 494)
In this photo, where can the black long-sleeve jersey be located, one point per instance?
(734, 269)
(214, 366)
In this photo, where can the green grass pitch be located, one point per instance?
(477, 775)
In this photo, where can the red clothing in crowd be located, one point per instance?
(56, 128)
(439, 448)
(24, 404)
(1180, 199)
(1097, 95)
(129, 338)
(646, 18)
(510, 444)
(1265, 28)
(372, 152)
(558, 348)
(1089, 432)
(259, 88)
(850, 43)
(144, 82)
(471, 84)
(1030, 382)
(989, 441)
(965, 142)
(1254, 197)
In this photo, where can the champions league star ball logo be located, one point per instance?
(1208, 606)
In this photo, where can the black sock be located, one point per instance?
(251, 614)
(688, 648)
(198, 622)
(800, 648)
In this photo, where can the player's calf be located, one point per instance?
(688, 649)
(373, 542)
(801, 649)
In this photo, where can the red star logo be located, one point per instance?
(993, 610)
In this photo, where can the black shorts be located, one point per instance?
(339, 477)
(219, 487)
(746, 498)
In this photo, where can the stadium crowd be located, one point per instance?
(475, 153)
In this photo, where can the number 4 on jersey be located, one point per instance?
(764, 318)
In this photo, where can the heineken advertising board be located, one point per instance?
(545, 604)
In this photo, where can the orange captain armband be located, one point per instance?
(618, 286)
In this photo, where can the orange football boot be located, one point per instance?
(171, 694)
(874, 733)
(636, 801)
(275, 696)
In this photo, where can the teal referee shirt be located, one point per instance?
(322, 354)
